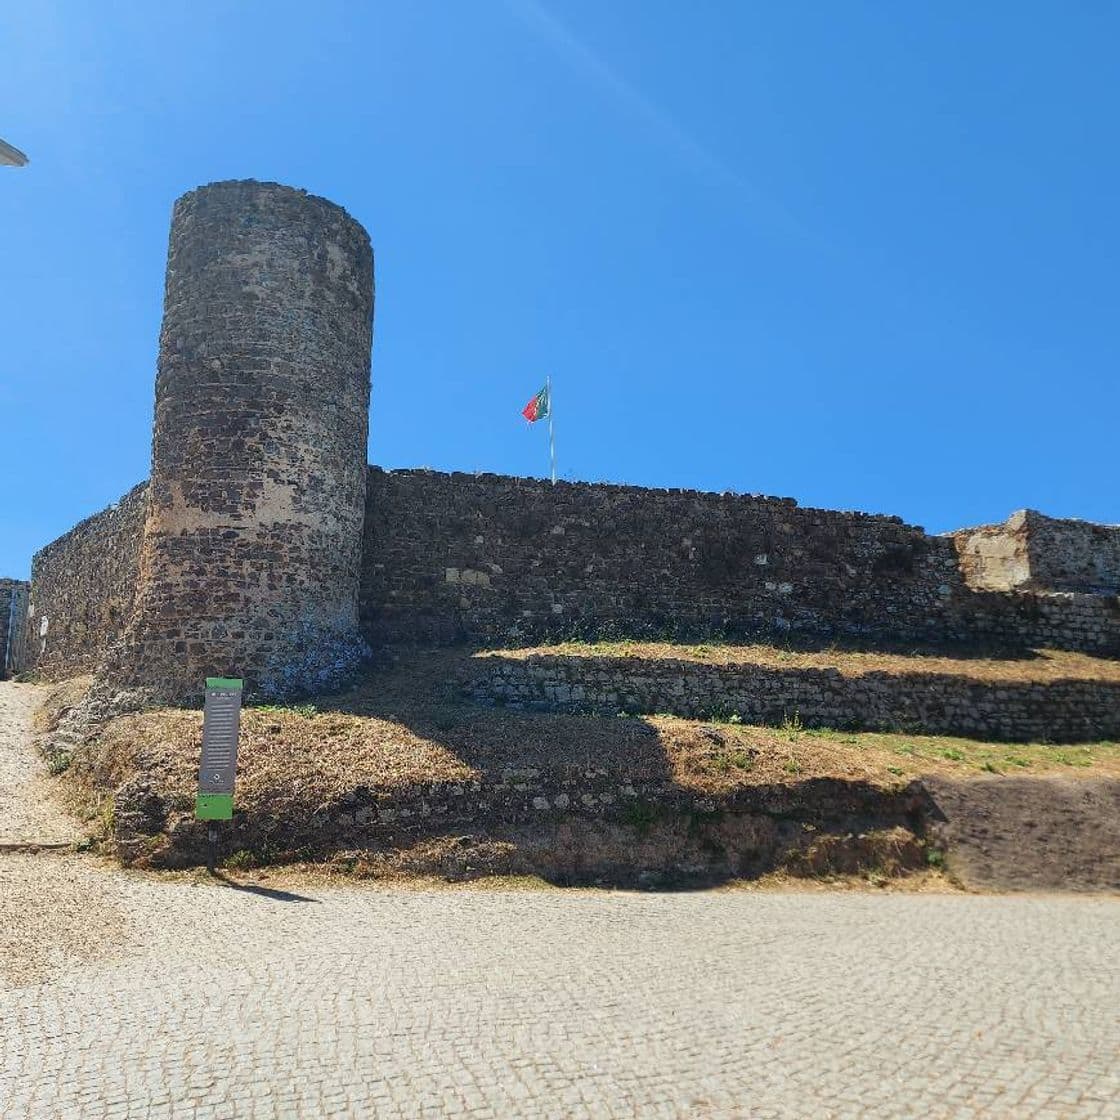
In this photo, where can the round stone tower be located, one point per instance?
(251, 554)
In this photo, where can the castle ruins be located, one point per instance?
(264, 547)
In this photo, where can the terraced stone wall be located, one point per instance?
(1067, 710)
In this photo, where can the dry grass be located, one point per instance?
(314, 756)
(1032, 665)
(748, 755)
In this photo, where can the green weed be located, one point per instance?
(1067, 759)
(792, 725)
(59, 763)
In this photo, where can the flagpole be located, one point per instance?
(551, 437)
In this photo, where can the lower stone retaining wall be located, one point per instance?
(588, 826)
(920, 703)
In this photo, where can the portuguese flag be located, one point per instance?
(538, 407)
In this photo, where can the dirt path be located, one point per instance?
(56, 909)
(29, 813)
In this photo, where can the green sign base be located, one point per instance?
(214, 806)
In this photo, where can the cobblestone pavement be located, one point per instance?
(215, 1002)
(125, 995)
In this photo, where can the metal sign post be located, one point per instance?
(220, 724)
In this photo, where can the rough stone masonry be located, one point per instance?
(264, 547)
(251, 548)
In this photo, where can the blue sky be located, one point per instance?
(864, 255)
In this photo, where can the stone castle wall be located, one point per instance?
(82, 589)
(995, 557)
(488, 558)
(1030, 550)
(264, 547)
(492, 559)
(1069, 555)
(1042, 618)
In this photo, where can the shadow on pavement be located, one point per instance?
(264, 892)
